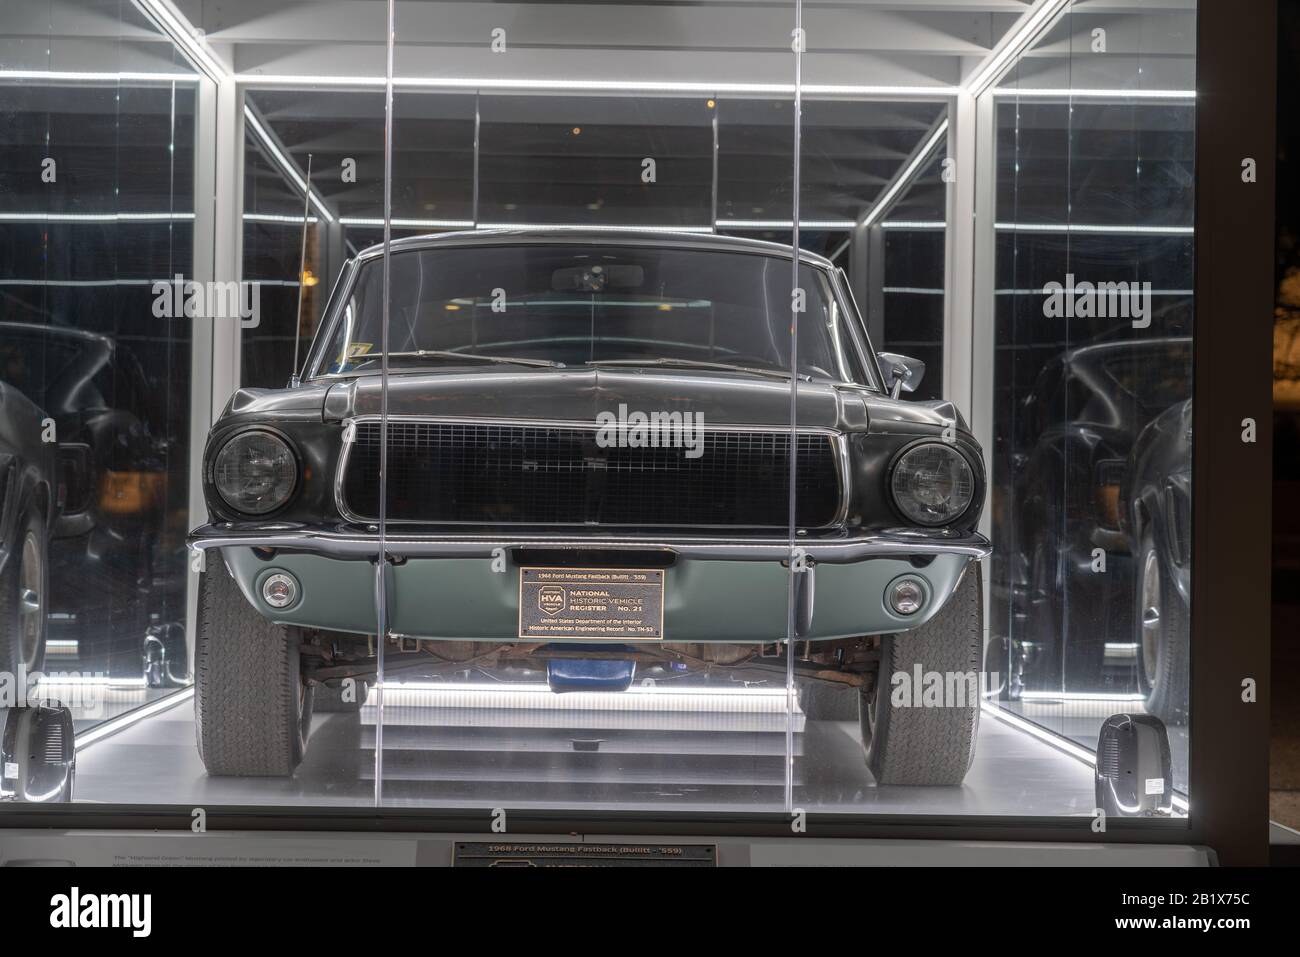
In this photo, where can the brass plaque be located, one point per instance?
(624, 604)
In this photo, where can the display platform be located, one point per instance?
(458, 748)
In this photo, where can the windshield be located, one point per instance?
(571, 305)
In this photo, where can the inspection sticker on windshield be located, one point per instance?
(600, 603)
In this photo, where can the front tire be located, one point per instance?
(252, 709)
(906, 742)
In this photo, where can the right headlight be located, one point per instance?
(932, 484)
(255, 472)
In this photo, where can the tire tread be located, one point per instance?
(246, 703)
(930, 746)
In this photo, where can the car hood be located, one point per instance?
(579, 395)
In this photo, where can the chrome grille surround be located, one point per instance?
(570, 481)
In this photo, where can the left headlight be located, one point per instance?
(932, 484)
(255, 472)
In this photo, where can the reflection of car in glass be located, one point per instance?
(28, 506)
(1158, 496)
(1074, 434)
(102, 577)
(519, 534)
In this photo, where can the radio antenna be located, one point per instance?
(302, 268)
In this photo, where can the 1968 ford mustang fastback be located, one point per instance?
(587, 440)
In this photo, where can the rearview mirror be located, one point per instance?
(902, 373)
(598, 277)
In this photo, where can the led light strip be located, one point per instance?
(904, 178)
(96, 217)
(1123, 228)
(407, 223)
(1081, 696)
(594, 86)
(274, 80)
(135, 716)
(1285, 827)
(540, 688)
(74, 284)
(55, 681)
(595, 227)
(79, 77)
(784, 224)
(1064, 745)
(277, 218)
(282, 161)
(1068, 93)
(1014, 44)
(539, 697)
(173, 23)
(725, 224)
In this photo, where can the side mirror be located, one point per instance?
(38, 753)
(902, 373)
(1133, 774)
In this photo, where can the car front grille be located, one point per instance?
(521, 474)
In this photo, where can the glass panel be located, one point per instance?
(910, 297)
(889, 676)
(568, 639)
(330, 136)
(97, 199)
(566, 160)
(560, 464)
(1092, 411)
(338, 133)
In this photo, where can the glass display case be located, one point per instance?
(725, 409)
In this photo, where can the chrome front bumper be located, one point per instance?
(467, 587)
(365, 545)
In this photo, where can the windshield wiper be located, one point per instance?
(447, 354)
(696, 364)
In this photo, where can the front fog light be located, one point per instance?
(906, 596)
(280, 590)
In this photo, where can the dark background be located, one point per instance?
(1285, 756)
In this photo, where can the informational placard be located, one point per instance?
(527, 854)
(624, 604)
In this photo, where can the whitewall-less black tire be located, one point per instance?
(251, 707)
(907, 743)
